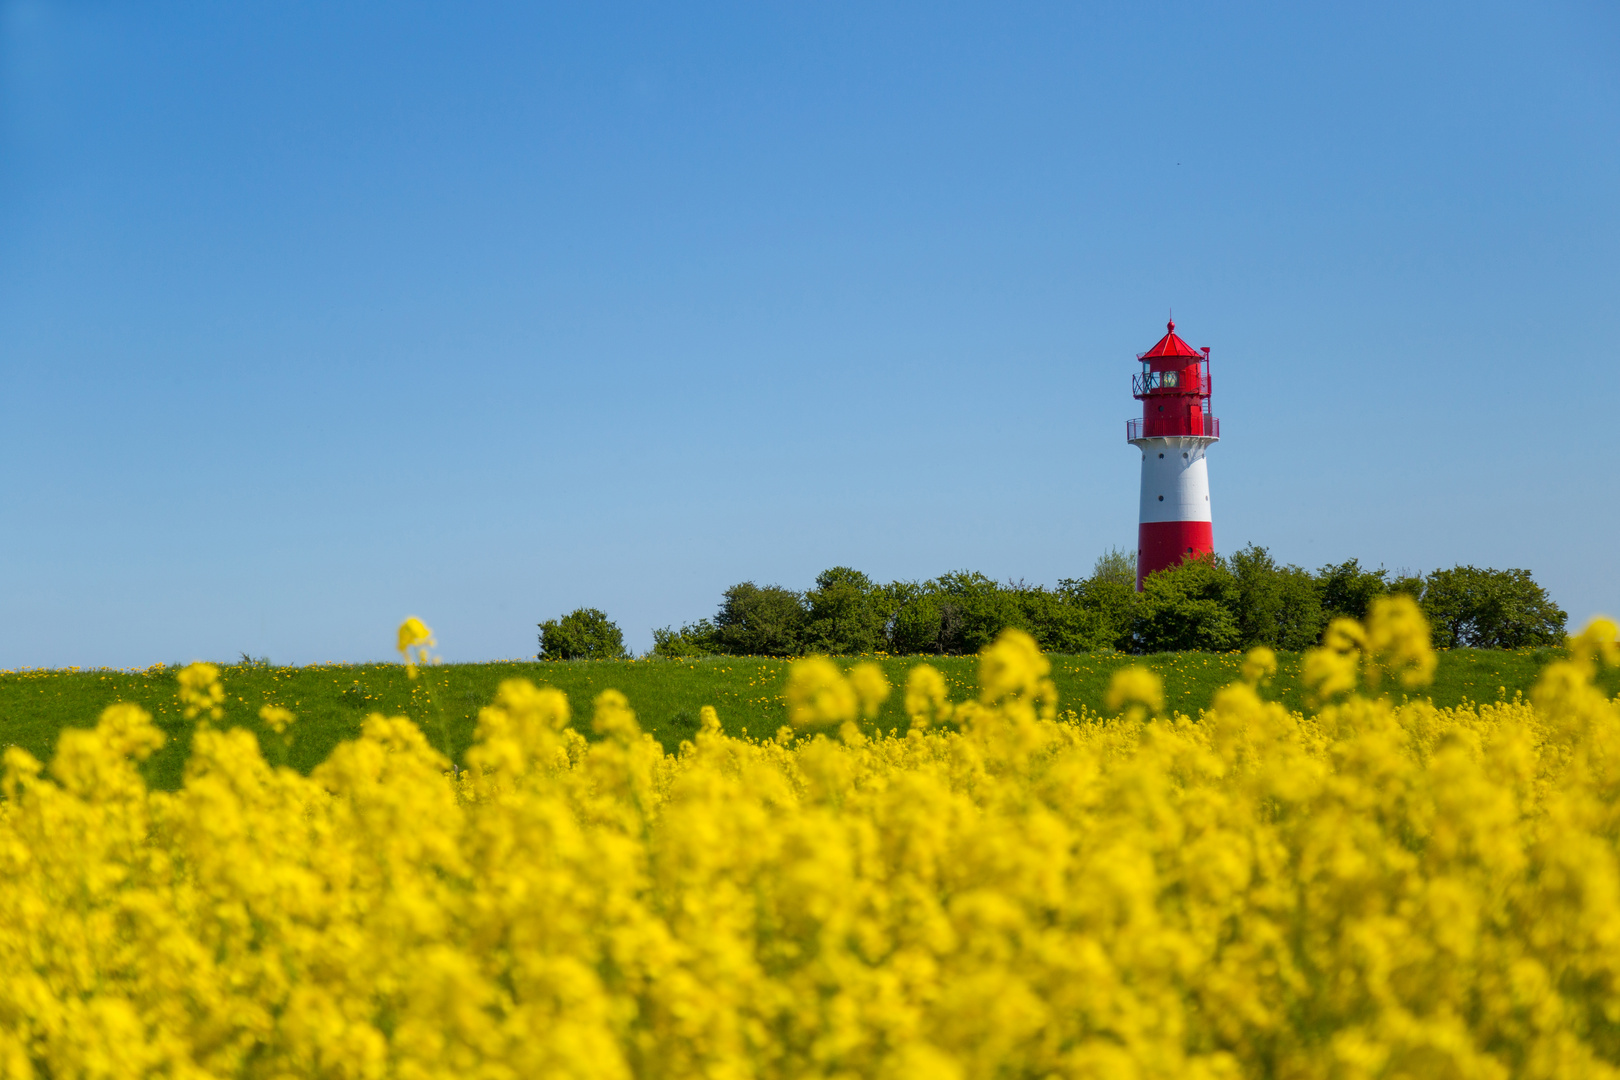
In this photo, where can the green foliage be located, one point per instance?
(958, 614)
(693, 639)
(1191, 606)
(1347, 590)
(1061, 622)
(847, 613)
(1277, 606)
(1490, 609)
(1111, 593)
(756, 621)
(973, 610)
(1115, 566)
(1210, 603)
(582, 634)
(1407, 583)
(919, 624)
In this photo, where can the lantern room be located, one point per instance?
(1173, 387)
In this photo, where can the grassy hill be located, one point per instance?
(331, 700)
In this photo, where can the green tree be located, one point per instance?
(847, 613)
(760, 621)
(955, 614)
(1347, 590)
(693, 639)
(1406, 583)
(1189, 606)
(1060, 620)
(582, 634)
(1110, 593)
(1279, 606)
(1490, 609)
(1116, 566)
(973, 610)
(918, 624)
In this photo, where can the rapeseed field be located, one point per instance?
(332, 700)
(1369, 886)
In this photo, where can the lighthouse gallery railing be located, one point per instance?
(1157, 427)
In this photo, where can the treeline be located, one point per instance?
(1213, 604)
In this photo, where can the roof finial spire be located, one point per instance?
(1171, 325)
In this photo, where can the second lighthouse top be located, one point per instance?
(1173, 387)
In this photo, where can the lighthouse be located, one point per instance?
(1174, 432)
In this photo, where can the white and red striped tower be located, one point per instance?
(1173, 433)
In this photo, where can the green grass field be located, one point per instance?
(332, 700)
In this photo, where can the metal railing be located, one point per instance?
(1150, 381)
(1137, 428)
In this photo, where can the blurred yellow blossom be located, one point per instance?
(1135, 686)
(277, 717)
(415, 639)
(200, 691)
(1397, 642)
(1012, 665)
(818, 693)
(1332, 668)
(871, 687)
(1596, 645)
(927, 700)
(1259, 665)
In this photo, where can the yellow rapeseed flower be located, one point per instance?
(200, 691)
(1259, 665)
(1013, 665)
(871, 687)
(1332, 669)
(1397, 642)
(414, 641)
(818, 693)
(277, 717)
(1135, 686)
(927, 699)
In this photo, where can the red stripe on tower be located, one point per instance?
(1174, 432)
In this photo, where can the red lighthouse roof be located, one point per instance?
(1171, 345)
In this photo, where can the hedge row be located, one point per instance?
(1214, 604)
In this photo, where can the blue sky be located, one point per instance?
(316, 315)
